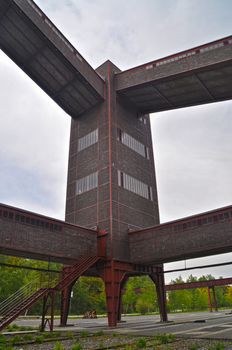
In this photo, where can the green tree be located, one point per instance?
(140, 295)
(88, 294)
(228, 296)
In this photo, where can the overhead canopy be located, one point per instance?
(32, 41)
(193, 77)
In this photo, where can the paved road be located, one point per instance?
(193, 325)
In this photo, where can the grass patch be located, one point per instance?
(39, 339)
(15, 340)
(164, 338)
(99, 333)
(84, 334)
(217, 346)
(194, 347)
(77, 346)
(2, 339)
(28, 337)
(70, 335)
(141, 343)
(58, 346)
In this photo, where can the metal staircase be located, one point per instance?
(28, 295)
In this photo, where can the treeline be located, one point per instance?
(139, 295)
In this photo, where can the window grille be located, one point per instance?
(133, 144)
(131, 184)
(87, 183)
(88, 140)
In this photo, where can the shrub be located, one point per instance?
(12, 327)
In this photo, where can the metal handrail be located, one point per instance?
(18, 297)
(33, 291)
(25, 292)
(13, 295)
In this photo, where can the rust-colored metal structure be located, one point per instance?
(210, 285)
(112, 215)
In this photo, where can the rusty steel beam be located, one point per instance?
(198, 267)
(24, 267)
(199, 284)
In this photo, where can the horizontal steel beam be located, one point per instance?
(199, 284)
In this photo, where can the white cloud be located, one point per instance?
(192, 146)
(34, 138)
(193, 163)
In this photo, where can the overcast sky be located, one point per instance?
(192, 146)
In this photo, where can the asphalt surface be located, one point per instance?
(217, 325)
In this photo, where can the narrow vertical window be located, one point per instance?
(88, 140)
(119, 134)
(86, 183)
(147, 152)
(132, 143)
(150, 193)
(131, 184)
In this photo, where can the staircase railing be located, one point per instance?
(25, 292)
(33, 291)
(75, 269)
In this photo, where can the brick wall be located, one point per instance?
(31, 235)
(205, 234)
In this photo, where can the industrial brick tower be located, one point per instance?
(112, 227)
(111, 175)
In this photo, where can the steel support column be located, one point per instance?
(158, 278)
(214, 299)
(65, 299)
(122, 285)
(113, 274)
(48, 303)
(209, 300)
